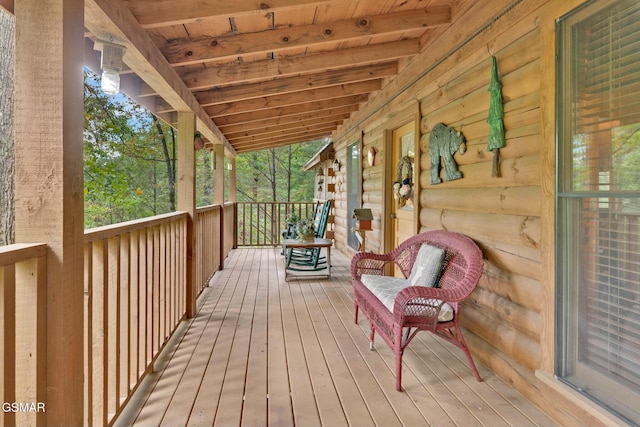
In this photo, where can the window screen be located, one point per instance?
(599, 204)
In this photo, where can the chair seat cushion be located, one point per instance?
(386, 289)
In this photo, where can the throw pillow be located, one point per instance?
(427, 268)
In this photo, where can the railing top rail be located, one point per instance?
(113, 230)
(11, 254)
(275, 203)
(203, 209)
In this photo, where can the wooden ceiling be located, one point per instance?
(267, 73)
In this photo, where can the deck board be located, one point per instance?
(262, 351)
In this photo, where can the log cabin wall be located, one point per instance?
(509, 318)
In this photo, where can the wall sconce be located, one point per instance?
(229, 166)
(336, 165)
(111, 64)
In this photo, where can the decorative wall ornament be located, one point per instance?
(444, 142)
(403, 186)
(371, 156)
(495, 119)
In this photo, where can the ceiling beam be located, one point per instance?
(274, 113)
(322, 127)
(287, 128)
(245, 148)
(268, 124)
(295, 84)
(206, 78)
(159, 13)
(263, 42)
(112, 21)
(286, 99)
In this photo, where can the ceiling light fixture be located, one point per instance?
(111, 64)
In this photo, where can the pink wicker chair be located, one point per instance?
(461, 273)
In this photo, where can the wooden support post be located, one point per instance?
(218, 175)
(232, 180)
(49, 187)
(187, 199)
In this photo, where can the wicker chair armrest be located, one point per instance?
(369, 263)
(416, 295)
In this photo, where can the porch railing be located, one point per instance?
(23, 281)
(262, 223)
(134, 299)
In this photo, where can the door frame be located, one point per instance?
(411, 114)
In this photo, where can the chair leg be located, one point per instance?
(465, 349)
(371, 336)
(355, 309)
(398, 357)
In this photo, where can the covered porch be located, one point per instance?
(269, 352)
(122, 324)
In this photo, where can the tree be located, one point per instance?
(276, 174)
(7, 155)
(129, 160)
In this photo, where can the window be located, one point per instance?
(598, 204)
(354, 189)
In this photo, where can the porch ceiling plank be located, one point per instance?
(334, 114)
(353, 101)
(233, 45)
(279, 142)
(159, 13)
(286, 132)
(209, 77)
(112, 21)
(287, 126)
(295, 84)
(284, 100)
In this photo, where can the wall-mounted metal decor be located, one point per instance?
(444, 142)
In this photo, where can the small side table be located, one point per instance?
(312, 271)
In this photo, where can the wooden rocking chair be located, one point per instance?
(306, 259)
(392, 305)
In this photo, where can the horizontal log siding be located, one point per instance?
(504, 317)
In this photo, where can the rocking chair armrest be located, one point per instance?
(369, 263)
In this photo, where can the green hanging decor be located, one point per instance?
(496, 115)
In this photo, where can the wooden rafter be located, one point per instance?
(226, 74)
(292, 110)
(259, 127)
(156, 13)
(284, 100)
(294, 84)
(231, 46)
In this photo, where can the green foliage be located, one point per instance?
(276, 175)
(125, 172)
(130, 164)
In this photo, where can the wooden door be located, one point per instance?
(402, 218)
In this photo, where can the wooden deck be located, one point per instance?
(262, 351)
